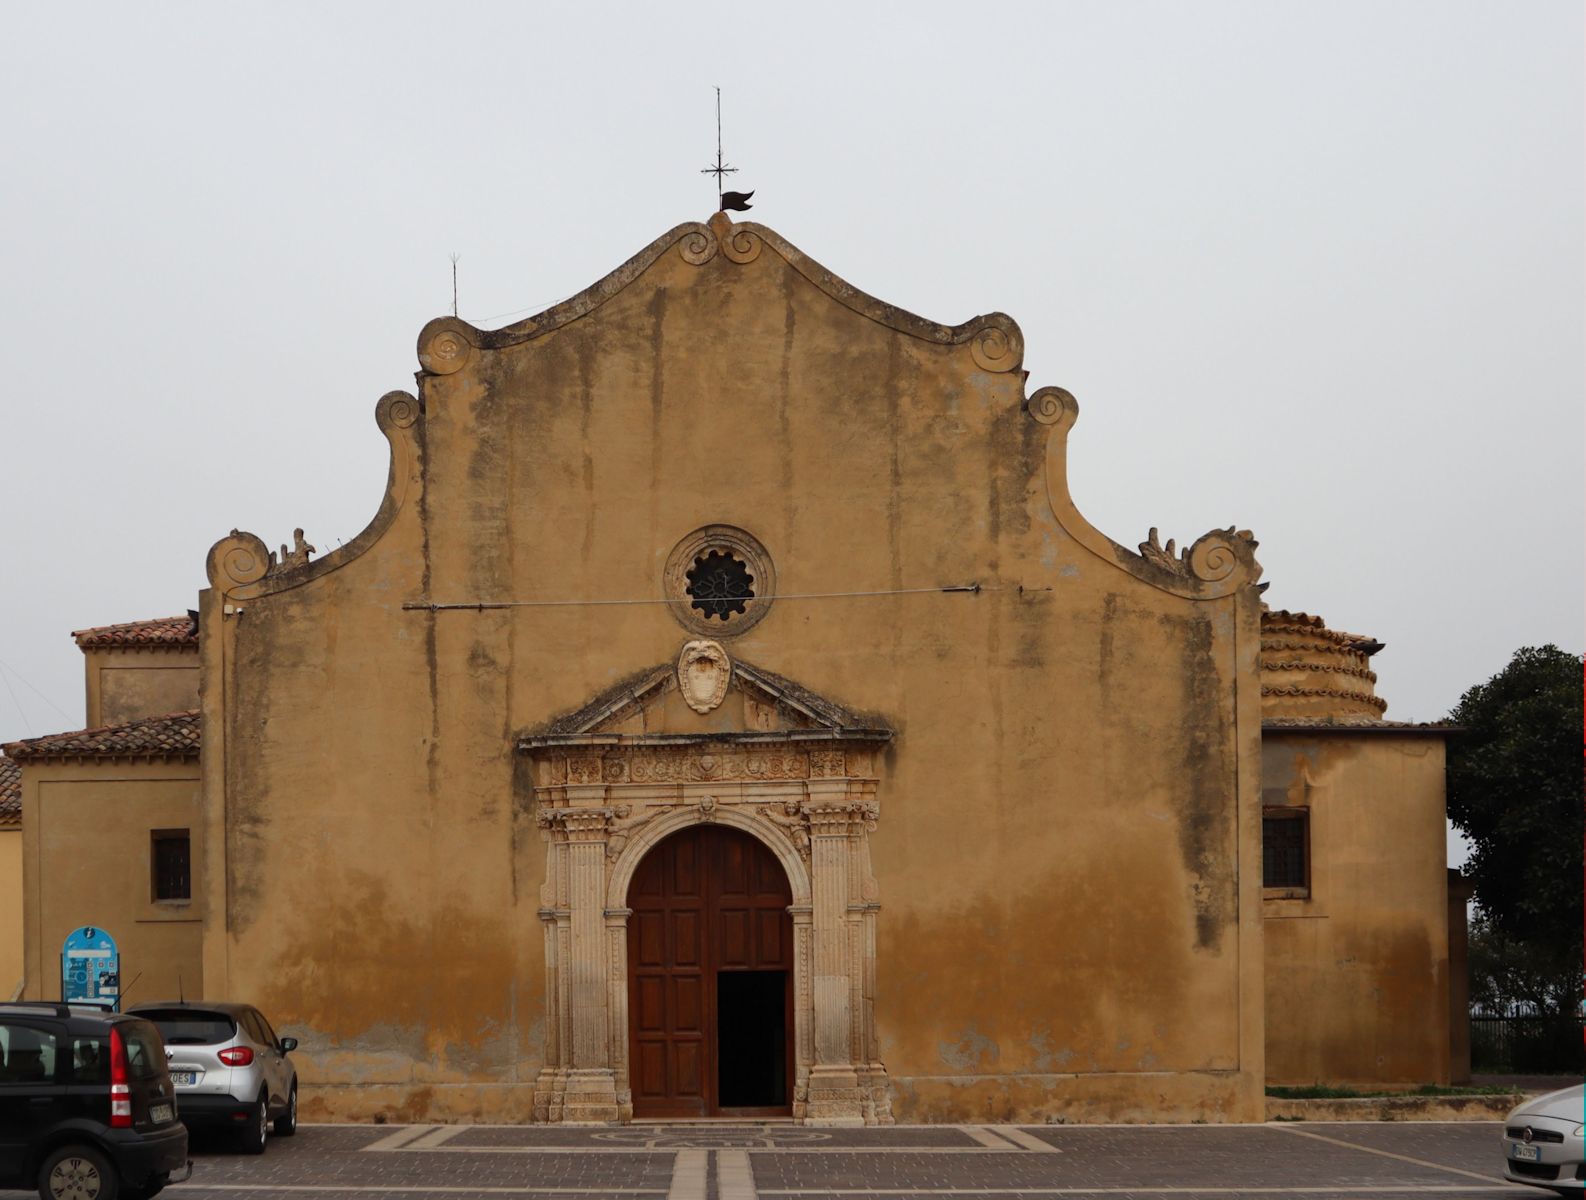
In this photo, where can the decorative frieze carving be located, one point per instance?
(695, 764)
(827, 764)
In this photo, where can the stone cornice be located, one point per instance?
(994, 340)
(756, 737)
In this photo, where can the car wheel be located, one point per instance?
(286, 1123)
(256, 1130)
(78, 1173)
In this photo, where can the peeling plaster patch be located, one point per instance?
(1070, 572)
(483, 1055)
(1041, 1049)
(533, 1038)
(968, 1053)
(384, 1053)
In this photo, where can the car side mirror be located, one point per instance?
(288, 1045)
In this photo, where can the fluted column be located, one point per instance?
(834, 1094)
(590, 1089)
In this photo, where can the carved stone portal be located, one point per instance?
(604, 798)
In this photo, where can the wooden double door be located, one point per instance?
(710, 978)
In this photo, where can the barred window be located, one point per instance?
(171, 864)
(720, 585)
(1285, 848)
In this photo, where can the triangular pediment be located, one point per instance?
(756, 705)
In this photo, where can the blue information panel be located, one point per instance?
(91, 969)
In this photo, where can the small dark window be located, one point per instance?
(190, 1027)
(172, 864)
(27, 1055)
(90, 1060)
(720, 585)
(1285, 848)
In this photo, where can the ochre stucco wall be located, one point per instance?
(90, 823)
(1062, 929)
(124, 684)
(10, 909)
(1357, 974)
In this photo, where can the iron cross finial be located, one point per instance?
(725, 199)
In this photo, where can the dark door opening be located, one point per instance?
(751, 1036)
(710, 970)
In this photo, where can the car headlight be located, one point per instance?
(1578, 1130)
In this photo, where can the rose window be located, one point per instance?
(719, 585)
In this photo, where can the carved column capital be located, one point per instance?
(842, 818)
(579, 825)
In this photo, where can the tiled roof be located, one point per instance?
(10, 793)
(1355, 725)
(173, 736)
(160, 631)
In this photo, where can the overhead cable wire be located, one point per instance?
(35, 690)
(482, 605)
(26, 724)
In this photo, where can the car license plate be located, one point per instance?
(184, 1078)
(161, 1114)
(1523, 1153)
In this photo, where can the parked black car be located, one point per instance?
(86, 1104)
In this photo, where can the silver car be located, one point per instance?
(1542, 1142)
(230, 1069)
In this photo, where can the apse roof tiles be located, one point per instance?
(158, 631)
(172, 736)
(10, 793)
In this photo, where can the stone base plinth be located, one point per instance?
(580, 1097)
(838, 1097)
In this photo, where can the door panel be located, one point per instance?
(705, 901)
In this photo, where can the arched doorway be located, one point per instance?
(710, 978)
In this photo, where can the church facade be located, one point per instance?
(729, 712)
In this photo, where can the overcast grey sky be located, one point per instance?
(1314, 269)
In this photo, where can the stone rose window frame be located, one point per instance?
(603, 800)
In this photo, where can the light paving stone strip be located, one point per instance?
(1028, 1140)
(401, 1137)
(734, 1175)
(688, 1175)
(987, 1138)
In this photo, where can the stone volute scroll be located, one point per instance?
(1218, 564)
(703, 670)
(241, 566)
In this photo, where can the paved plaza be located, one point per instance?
(742, 1161)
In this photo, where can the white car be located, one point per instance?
(229, 1068)
(1542, 1142)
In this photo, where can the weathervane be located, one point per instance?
(737, 201)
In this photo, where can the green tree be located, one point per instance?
(1515, 789)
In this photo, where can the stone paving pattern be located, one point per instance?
(1354, 1161)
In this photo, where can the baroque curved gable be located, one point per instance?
(1217, 564)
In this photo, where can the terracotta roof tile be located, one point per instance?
(1356, 724)
(160, 631)
(10, 793)
(173, 736)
